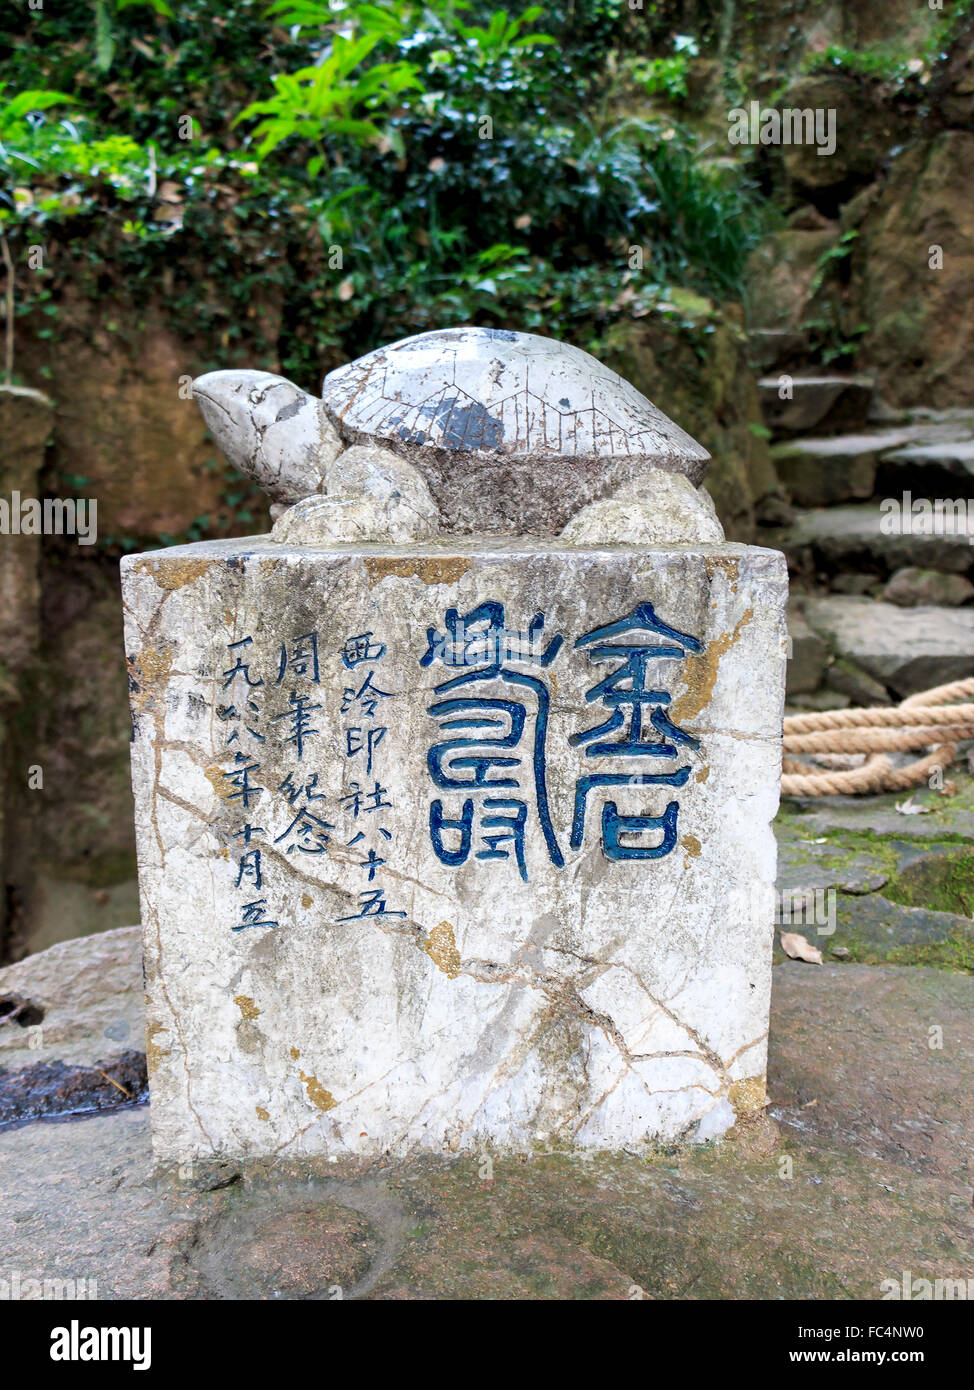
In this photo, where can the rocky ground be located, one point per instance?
(859, 1169)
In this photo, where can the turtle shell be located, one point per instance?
(487, 392)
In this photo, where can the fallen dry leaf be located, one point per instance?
(799, 949)
(907, 808)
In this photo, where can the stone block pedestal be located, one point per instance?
(454, 844)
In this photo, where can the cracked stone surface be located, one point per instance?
(269, 429)
(370, 494)
(512, 433)
(323, 1001)
(875, 1126)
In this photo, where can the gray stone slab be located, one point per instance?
(952, 457)
(864, 537)
(906, 649)
(797, 403)
(805, 865)
(811, 817)
(877, 929)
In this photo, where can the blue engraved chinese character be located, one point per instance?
(373, 905)
(241, 668)
(253, 916)
(300, 717)
(361, 648)
(358, 740)
(302, 659)
(293, 791)
(367, 696)
(230, 713)
(239, 777)
(310, 834)
(356, 800)
(637, 726)
(483, 753)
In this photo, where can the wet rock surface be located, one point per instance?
(51, 1088)
(72, 1036)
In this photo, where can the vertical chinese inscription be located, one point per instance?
(487, 762)
(364, 701)
(241, 716)
(308, 830)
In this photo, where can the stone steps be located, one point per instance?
(873, 538)
(868, 652)
(876, 517)
(823, 403)
(943, 468)
(882, 588)
(932, 459)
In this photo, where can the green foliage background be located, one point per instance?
(333, 159)
(337, 161)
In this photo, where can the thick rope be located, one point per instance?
(884, 717)
(877, 740)
(922, 720)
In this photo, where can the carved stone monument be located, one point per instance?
(454, 792)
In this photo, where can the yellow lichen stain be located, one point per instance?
(295, 1053)
(218, 780)
(317, 1093)
(728, 564)
(750, 1095)
(691, 844)
(306, 899)
(151, 666)
(246, 1006)
(153, 1052)
(702, 775)
(700, 673)
(261, 1113)
(441, 947)
(431, 569)
(173, 574)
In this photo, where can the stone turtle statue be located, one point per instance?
(458, 431)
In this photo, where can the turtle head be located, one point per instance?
(269, 429)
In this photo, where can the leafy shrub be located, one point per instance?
(386, 167)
